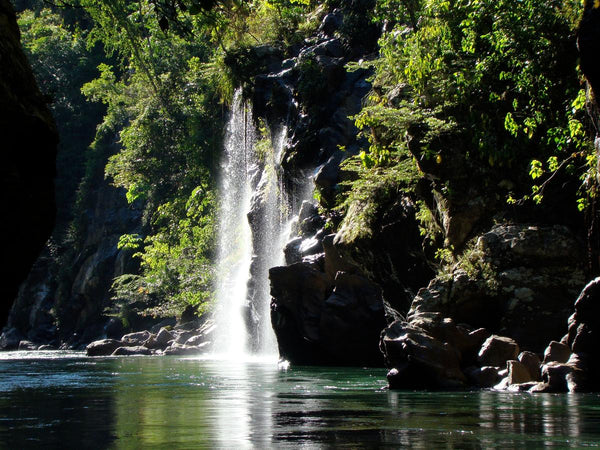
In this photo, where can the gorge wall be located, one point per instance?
(29, 141)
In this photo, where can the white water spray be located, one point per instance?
(235, 241)
(249, 181)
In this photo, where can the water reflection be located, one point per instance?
(191, 403)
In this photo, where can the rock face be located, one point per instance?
(320, 320)
(520, 283)
(29, 141)
(76, 298)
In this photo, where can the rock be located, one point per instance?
(181, 349)
(334, 262)
(167, 323)
(291, 251)
(351, 321)
(555, 376)
(27, 345)
(195, 341)
(183, 336)
(522, 387)
(137, 338)
(483, 377)
(46, 347)
(331, 23)
(420, 360)
(445, 330)
(298, 293)
(496, 350)
(130, 351)
(533, 364)
(518, 373)
(578, 380)
(10, 338)
(512, 283)
(103, 347)
(29, 143)
(164, 336)
(503, 385)
(557, 351)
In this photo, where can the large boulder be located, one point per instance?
(103, 347)
(418, 360)
(497, 350)
(318, 320)
(130, 351)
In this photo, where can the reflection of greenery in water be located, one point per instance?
(170, 402)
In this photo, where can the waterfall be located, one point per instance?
(253, 228)
(234, 254)
(271, 231)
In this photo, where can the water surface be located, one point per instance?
(65, 400)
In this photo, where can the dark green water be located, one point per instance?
(56, 400)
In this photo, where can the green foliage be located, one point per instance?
(371, 190)
(176, 267)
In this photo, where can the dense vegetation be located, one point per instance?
(479, 94)
(464, 92)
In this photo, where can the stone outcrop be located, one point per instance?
(518, 281)
(29, 141)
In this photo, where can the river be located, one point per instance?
(67, 400)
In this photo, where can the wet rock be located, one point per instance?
(131, 351)
(103, 347)
(555, 376)
(420, 360)
(518, 373)
(27, 345)
(46, 347)
(298, 293)
(137, 338)
(483, 377)
(557, 351)
(496, 350)
(291, 251)
(533, 364)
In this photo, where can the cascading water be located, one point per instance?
(270, 232)
(253, 229)
(235, 240)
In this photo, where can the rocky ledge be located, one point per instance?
(431, 351)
